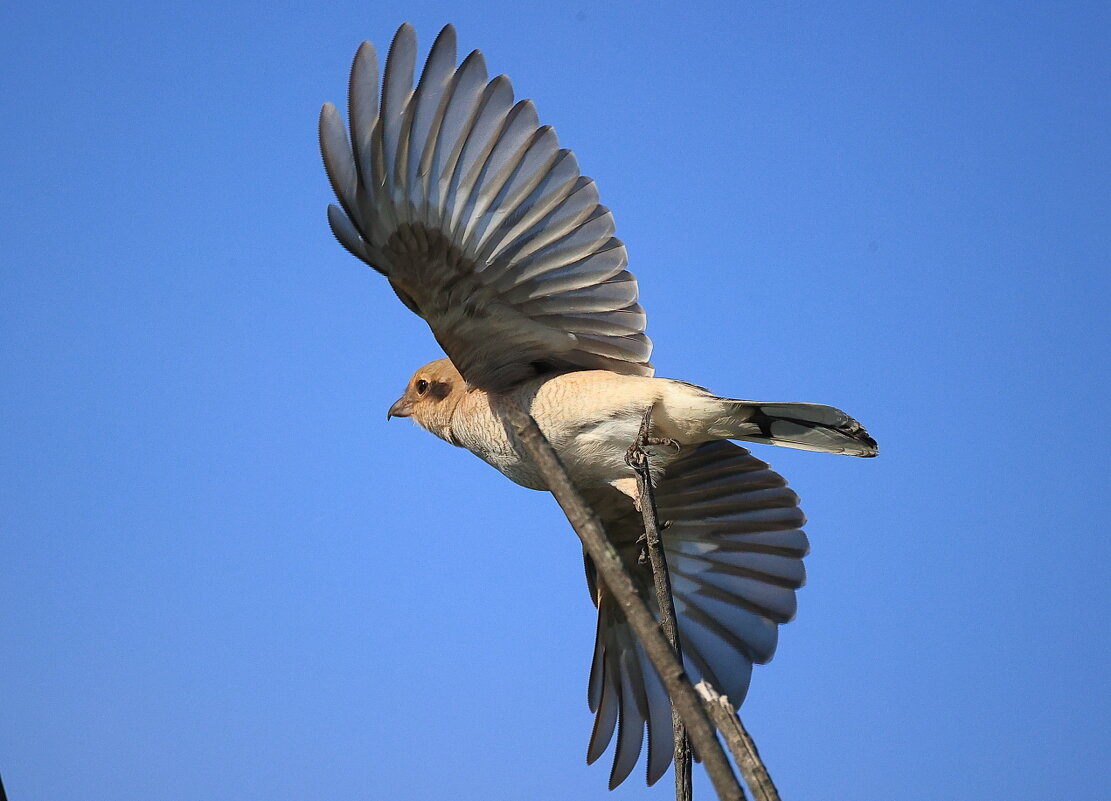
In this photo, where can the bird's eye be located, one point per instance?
(422, 387)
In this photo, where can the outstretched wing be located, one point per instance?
(480, 221)
(734, 546)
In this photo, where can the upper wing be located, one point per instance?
(734, 546)
(482, 224)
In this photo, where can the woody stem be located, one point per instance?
(620, 585)
(638, 460)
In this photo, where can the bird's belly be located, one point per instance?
(593, 452)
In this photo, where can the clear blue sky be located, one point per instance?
(224, 575)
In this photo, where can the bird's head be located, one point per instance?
(431, 397)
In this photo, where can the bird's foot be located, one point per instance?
(636, 457)
(666, 442)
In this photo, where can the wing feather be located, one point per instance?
(630, 723)
(459, 115)
(627, 322)
(734, 569)
(521, 124)
(483, 225)
(429, 104)
(535, 163)
(660, 741)
(621, 289)
(338, 161)
(494, 104)
(363, 107)
(560, 179)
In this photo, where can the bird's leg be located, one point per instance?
(652, 552)
(636, 457)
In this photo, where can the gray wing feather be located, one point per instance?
(574, 252)
(621, 289)
(615, 324)
(630, 724)
(338, 161)
(397, 88)
(574, 208)
(605, 720)
(734, 545)
(581, 273)
(429, 104)
(660, 741)
(495, 103)
(534, 164)
(459, 113)
(484, 226)
(561, 178)
(521, 124)
(363, 108)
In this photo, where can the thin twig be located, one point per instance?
(741, 745)
(620, 585)
(638, 460)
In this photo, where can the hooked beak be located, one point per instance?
(400, 408)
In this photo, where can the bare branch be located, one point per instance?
(741, 745)
(638, 460)
(620, 585)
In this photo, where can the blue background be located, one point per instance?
(223, 575)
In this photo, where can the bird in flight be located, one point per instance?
(485, 228)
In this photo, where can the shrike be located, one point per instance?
(484, 227)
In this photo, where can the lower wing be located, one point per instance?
(731, 531)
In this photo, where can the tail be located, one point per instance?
(807, 426)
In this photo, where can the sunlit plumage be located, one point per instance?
(484, 227)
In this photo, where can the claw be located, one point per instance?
(667, 443)
(635, 457)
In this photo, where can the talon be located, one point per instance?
(636, 458)
(666, 443)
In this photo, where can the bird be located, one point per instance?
(484, 226)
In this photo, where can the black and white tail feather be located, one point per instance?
(805, 426)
